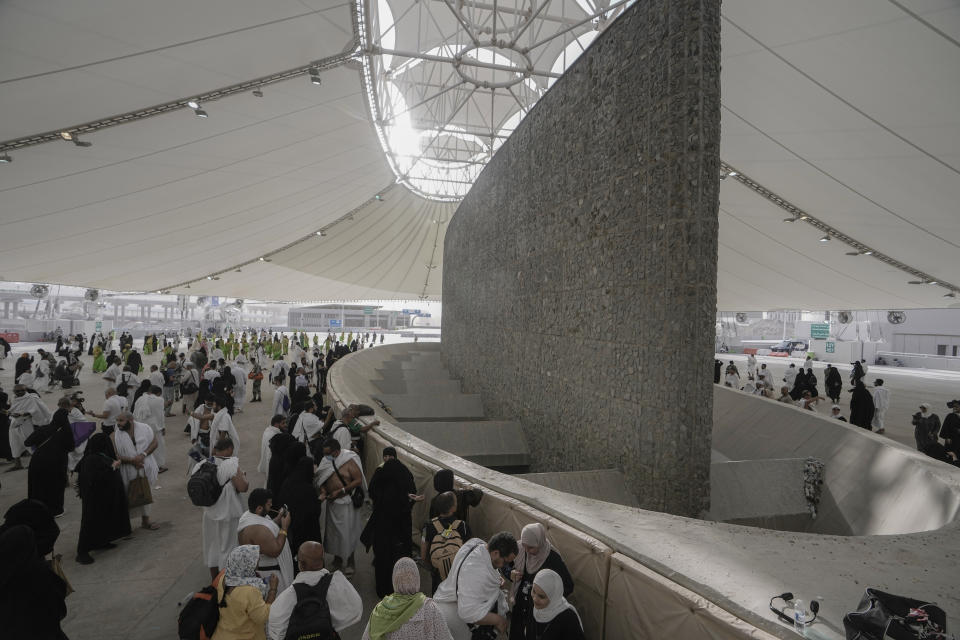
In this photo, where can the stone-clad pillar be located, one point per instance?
(579, 285)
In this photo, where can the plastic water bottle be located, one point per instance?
(799, 616)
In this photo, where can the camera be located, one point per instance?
(953, 404)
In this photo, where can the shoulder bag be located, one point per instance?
(356, 496)
(138, 492)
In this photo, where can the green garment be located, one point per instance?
(393, 612)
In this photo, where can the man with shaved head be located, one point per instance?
(113, 406)
(346, 606)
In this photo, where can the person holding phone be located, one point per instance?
(257, 527)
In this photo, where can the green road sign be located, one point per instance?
(819, 330)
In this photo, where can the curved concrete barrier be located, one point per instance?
(643, 574)
(873, 486)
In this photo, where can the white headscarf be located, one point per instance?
(551, 584)
(924, 409)
(242, 568)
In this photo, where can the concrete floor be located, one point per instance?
(908, 388)
(133, 591)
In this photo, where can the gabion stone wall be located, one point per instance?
(579, 284)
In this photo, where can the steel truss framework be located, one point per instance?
(447, 81)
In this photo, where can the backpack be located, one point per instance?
(203, 487)
(310, 617)
(286, 402)
(199, 617)
(444, 546)
(122, 386)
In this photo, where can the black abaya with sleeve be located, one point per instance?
(298, 494)
(391, 521)
(104, 515)
(47, 475)
(565, 626)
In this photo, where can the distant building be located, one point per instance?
(333, 317)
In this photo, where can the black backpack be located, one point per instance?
(311, 615)
(203, 487)
(198, 619)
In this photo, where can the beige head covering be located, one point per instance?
(406, 576)
(532, 535)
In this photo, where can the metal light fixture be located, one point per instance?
(6, 159)
(75, 139)
(314, 76)
(200, 113)
(825, 238)
(193, 104)
(258, 92)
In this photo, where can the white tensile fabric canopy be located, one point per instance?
(847, 111)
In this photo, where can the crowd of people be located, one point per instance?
(867, 405)
(264, 546)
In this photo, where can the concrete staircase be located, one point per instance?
(418, 391)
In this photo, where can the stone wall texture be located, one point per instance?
(579, 284)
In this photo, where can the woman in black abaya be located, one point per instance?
(812, 383)
(799, 385)
(32, 596)
(298, 494)
(861, 406)
(104, 517)
(47, 475)
(391, 488)
(833, 383)
(276, 473)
